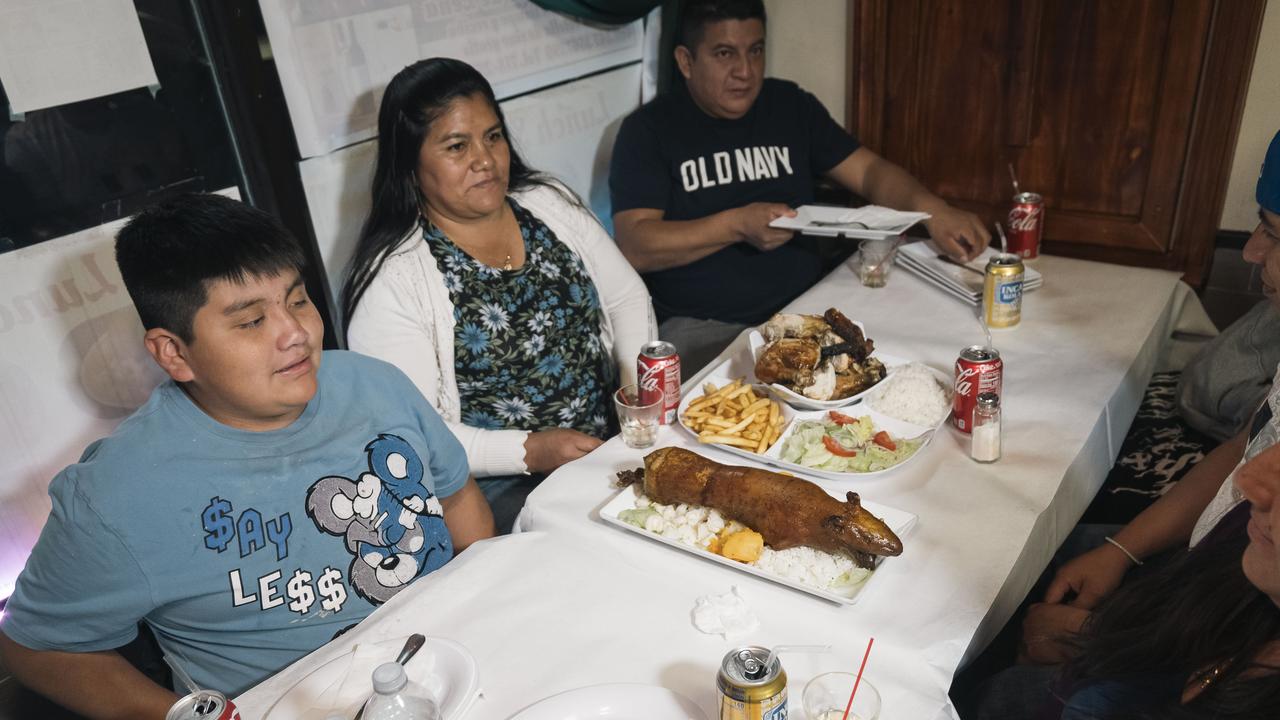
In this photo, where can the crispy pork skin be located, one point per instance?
(786, 510)
(844, 327)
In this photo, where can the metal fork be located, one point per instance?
(832, 223)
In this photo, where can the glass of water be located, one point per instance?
(639, 420)
(875, 258)
(826, 696)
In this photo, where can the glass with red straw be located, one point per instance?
(842, 695)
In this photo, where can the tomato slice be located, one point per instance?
(836, 448)
(883, 440)
(840, 418)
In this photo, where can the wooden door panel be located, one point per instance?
(1093, 101)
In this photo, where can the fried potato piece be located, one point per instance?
(736, 415)
(744, 546)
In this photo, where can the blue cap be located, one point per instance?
(1269, 178)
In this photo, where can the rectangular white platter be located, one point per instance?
(900, 521)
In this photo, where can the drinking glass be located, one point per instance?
(639, 420)
(875, 258)
(826, 696)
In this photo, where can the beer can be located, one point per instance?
(203, 705)
(979, 370)
(1002, 290)
(748, 689)
(658, 375)
(1026, 225)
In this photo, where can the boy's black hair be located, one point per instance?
(170, 252)
(698, 13)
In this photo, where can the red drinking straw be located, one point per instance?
(858, 679)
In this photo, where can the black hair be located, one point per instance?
(170, 252)
(1197, 612)
(698, 14)
(415, 98)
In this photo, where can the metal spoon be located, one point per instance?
(411, 648)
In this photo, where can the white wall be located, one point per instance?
(806, 43)
(1260, 123)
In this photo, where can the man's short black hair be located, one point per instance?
(698, 13)
(170, 252)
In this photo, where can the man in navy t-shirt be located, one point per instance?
(698, 174)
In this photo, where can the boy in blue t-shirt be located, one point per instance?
(263, 500)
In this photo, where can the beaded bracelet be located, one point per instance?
(1122, 549)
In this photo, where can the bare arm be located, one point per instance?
(1166, 523)
(467, 515)
(958, 233)
(98, 685)
(651, 243)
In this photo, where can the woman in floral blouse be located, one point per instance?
(490, 285)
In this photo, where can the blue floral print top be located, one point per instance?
(527, 345)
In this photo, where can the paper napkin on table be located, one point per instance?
(727, 615)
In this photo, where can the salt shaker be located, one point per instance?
(986, 429)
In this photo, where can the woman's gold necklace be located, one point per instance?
(506, 264)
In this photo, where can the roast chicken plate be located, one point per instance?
(822, 357)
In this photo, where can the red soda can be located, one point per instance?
(1026, 225)
(658, 374)
(203, 705)
(979, 369)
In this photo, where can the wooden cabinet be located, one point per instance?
(1122, 113)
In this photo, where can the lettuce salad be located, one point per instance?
(840, 443)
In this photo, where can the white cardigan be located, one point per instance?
(406, 318)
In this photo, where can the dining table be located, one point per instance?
(571, 601)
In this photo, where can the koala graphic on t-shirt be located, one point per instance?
(392, 523)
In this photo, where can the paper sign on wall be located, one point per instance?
(334, 62)
(54, 52)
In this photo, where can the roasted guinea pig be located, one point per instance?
(786, 510)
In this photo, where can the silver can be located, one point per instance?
(751, 687)
(203, 705)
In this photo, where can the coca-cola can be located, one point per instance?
(979, 369)
(203, 705)
(658, 374)
(1026, 225)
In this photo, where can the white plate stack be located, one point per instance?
(961, 281)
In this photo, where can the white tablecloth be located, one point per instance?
(582, 602)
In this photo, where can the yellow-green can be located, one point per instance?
(1002, 291)
(750, 689)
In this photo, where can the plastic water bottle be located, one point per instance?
(394, 699)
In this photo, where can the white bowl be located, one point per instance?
(795, 399)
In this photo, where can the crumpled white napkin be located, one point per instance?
(728, 615)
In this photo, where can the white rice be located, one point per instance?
(913, 394)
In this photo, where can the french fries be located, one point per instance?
(734, 415)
